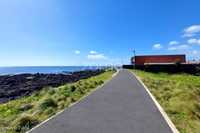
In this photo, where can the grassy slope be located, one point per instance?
(24, 113)
(179, 95)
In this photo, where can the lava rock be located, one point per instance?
(16, 86)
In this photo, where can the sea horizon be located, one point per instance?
(7, 70)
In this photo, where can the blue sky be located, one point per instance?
(95, 32)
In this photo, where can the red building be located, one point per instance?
(158, 59)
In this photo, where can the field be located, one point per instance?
(22, 114)
(179, 95)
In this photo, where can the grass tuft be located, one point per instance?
(26, 107)
(25, 123)
(46, 103)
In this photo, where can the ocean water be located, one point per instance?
(45, 69)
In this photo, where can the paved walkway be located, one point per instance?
(121, 106)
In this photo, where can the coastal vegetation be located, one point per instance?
(15, 86)
(179, 95)
(20, 115)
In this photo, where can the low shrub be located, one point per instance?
(96, 82)
(73, 88)
(65, 91)
(36, 94)
(25, 123)
(91, 86)
(61, 98)
(46, 103)
(50, 111)
(26, 107)
(86, 83)
(80, 83)
(73, 99)
(61, 105)
(51, 92)
(101, 82)
(82, 91)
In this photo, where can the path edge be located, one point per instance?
(159, 107)
(81, 99)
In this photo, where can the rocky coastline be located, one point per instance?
(16, 86)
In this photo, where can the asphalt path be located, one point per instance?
(121, 106)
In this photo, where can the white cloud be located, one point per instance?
(93, 52)
(178, 47)
(194, 41)
(96, 57)
(93, 55)
(184, 46)
(157, 46)
(172, 48)
(77, 52)
(173, 43)
(191, 31)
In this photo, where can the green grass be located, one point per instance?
(179, 95)
(22, 114)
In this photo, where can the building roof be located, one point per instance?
(160, 55)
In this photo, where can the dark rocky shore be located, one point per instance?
(16, 86)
